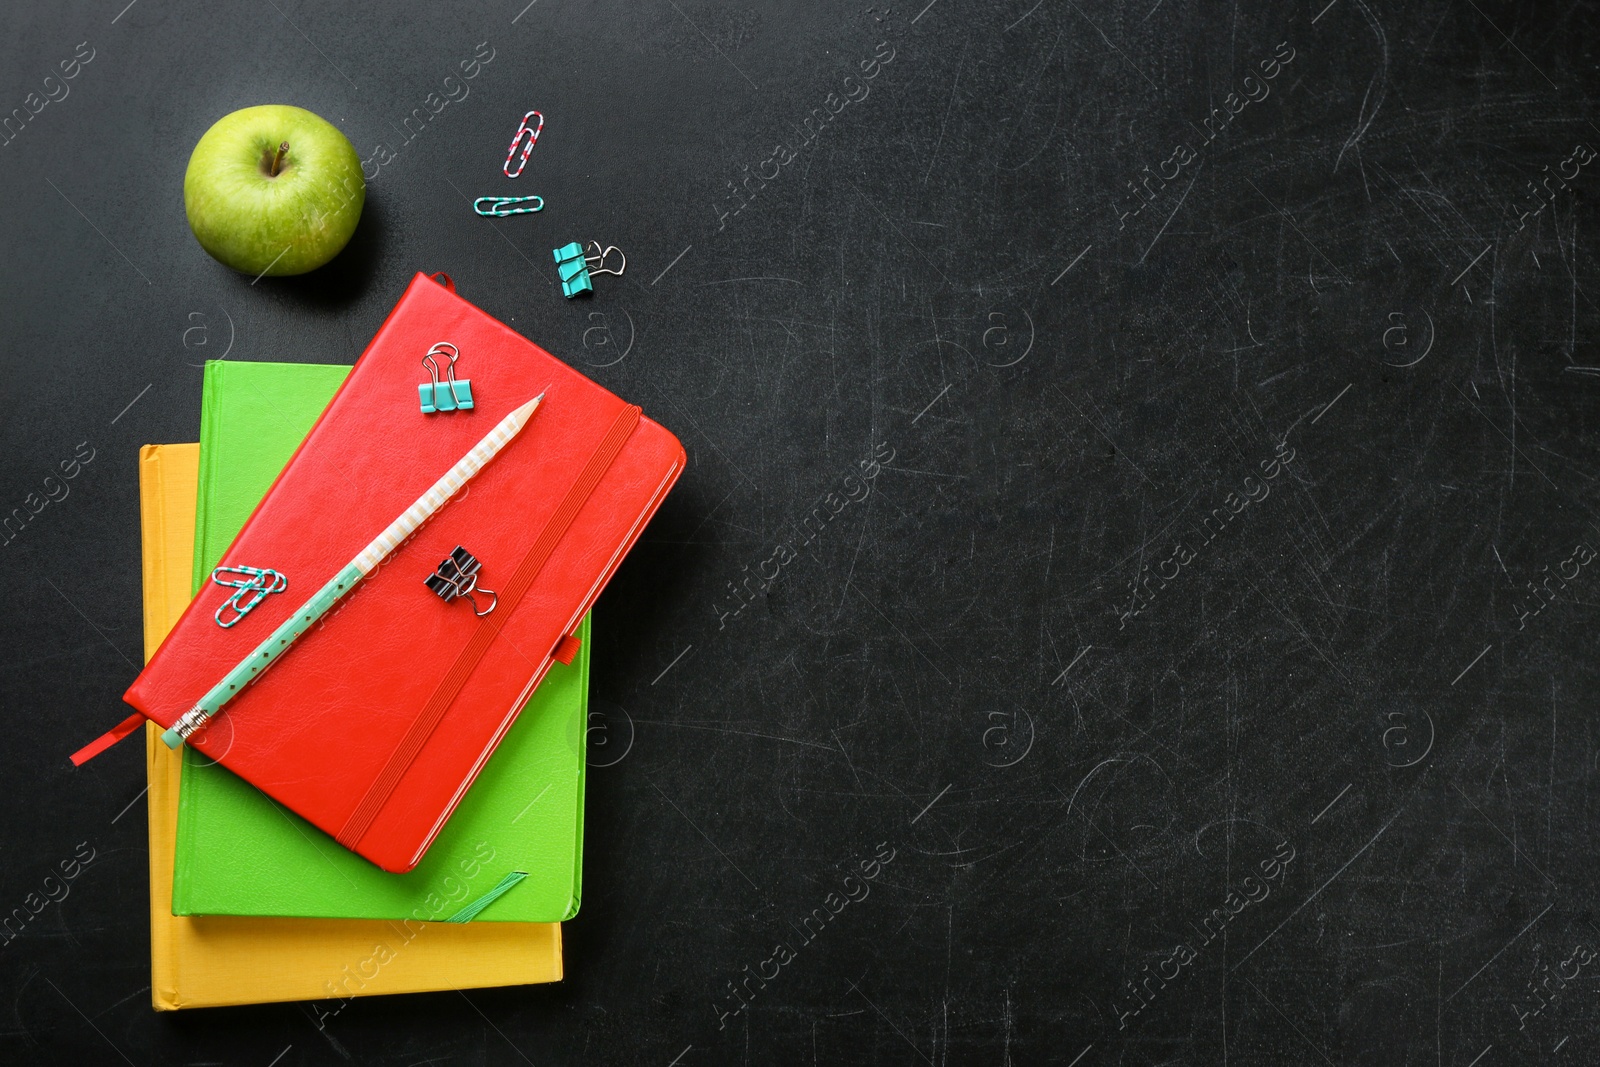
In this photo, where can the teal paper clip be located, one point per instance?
(448, 395)
(493, 207)
(576, 267)
(251, 586)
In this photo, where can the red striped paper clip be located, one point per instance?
(533, 139)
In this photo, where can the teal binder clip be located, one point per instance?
(448, 395)
(576, 267)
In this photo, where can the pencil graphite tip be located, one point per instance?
(525, 412)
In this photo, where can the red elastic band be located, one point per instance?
(566, 650)
(422, 727)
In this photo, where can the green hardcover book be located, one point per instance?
(241, 853)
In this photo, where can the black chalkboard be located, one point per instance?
(1131, 598)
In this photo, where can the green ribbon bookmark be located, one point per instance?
(470, 912)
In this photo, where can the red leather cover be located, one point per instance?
(318, 727)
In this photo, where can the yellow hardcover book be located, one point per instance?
(211, 961)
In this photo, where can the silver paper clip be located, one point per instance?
(457, 576)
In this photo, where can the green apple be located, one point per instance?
(273, 190)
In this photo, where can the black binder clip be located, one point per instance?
(457, 576)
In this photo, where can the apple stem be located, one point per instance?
(277, 161)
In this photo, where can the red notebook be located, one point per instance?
(339, 730)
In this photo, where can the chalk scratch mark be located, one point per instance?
(130, 804)
(1136, 469)
(1473, 664)
(1474, 263)
(671, 665)
(1496, 956)
(1502, 563)
(1514, 849)
(1071, 665)
(932, 402)
(932, 802)
(954, 85)
(1541, 73)
(1298, 230)
(1380, 79)
(103, 237)
(320, 52)
(857, 990)
(92, 626)
(901, 232)
(1331, 803)
(1172, 216)
(1359, 853)
(1290, 1021)
(1304, 635)
(496, 1029)
(713, 45)
(1063, 274)
(669, 266)
(132, 402)
(902, 633)
(730, 730)
(1020, 21)
(88, 1020)
(1113, 47)
(703, 834)
(1332, 402)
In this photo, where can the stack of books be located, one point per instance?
(319, 838)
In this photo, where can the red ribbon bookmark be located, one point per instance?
(107, 739)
